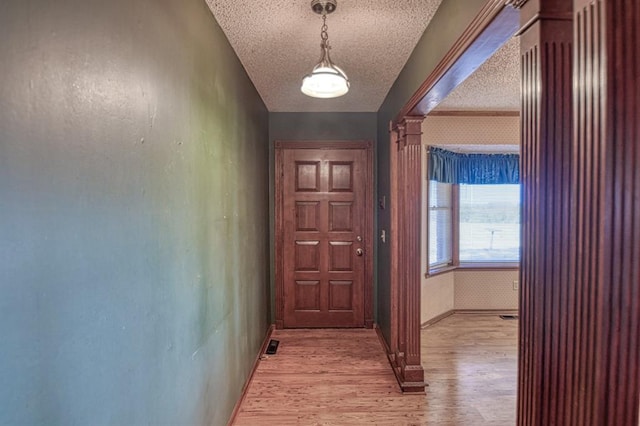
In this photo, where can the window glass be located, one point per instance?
(489, 223)
(440, 226)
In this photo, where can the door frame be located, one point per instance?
(495, 23)
(367, 146)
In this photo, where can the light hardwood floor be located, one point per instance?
(342, 377)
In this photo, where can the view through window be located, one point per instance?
(489, 223)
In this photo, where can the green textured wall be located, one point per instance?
(134, 245)
(300, 126)
(449, 22)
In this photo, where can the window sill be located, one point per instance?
(440, 270)
(490, 266)
(479, 266)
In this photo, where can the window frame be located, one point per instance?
(455, 243)
(453, 207)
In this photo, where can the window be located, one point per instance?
(440, 224)
(474, 209)
(473, 225)
(489, 223)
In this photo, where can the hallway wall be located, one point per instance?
(134, 214)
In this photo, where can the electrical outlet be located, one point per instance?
(515, 284)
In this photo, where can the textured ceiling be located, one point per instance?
(278, 42)
(495, 86)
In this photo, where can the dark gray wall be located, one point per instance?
(134, 214)
(449, 22)
(300, 126)
(322, 125)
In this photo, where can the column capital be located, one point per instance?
(532, 11)
(516, 3)
(410, 130)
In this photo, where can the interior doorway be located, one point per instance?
(492, 28)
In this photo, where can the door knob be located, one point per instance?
(359, 252)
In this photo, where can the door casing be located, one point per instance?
(280, 147)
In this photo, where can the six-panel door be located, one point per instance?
(323, 194)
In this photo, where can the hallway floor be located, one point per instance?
(342, 377)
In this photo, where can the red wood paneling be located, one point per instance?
(406, 273)
(545, 172)
(580, 279)
(607, 179)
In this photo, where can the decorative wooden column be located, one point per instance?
(406, 279)
(606, 232)
(547, 305)
(580, 270)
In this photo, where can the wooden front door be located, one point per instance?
(324, 236)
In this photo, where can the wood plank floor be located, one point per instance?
(342, 377)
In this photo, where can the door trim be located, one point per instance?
(280, 146)
(495, 23)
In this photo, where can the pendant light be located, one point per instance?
(326, 80)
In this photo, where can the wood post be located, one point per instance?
(606, 256)
(546, 304)
(580, 275)
(407, 214)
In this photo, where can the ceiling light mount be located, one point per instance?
(324, 7)
(326, 80)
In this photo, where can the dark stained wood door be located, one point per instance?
(324, 255)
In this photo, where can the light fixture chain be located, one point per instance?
(323, 33)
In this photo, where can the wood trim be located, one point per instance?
(406, 387)
(256, 362)
(413, 227)
(279, 238)
(437, 318)
(383, 341)
(516, 3)
(546, 366)
(440, 271)
(455, 225)
(371, 204)
(606, 292)
(450, 312)
(474, 114)
(488, 31)
(465, 268)
(401, 256)
(406, 282)
(487, 311)
(488, 266)
(394, 250)
(427, 207)
(390, 354)
(322, 144)
(580, 298)
(542, 10)
(280, 146)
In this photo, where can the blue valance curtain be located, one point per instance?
(454, 167)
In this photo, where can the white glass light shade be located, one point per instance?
(325, 82)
